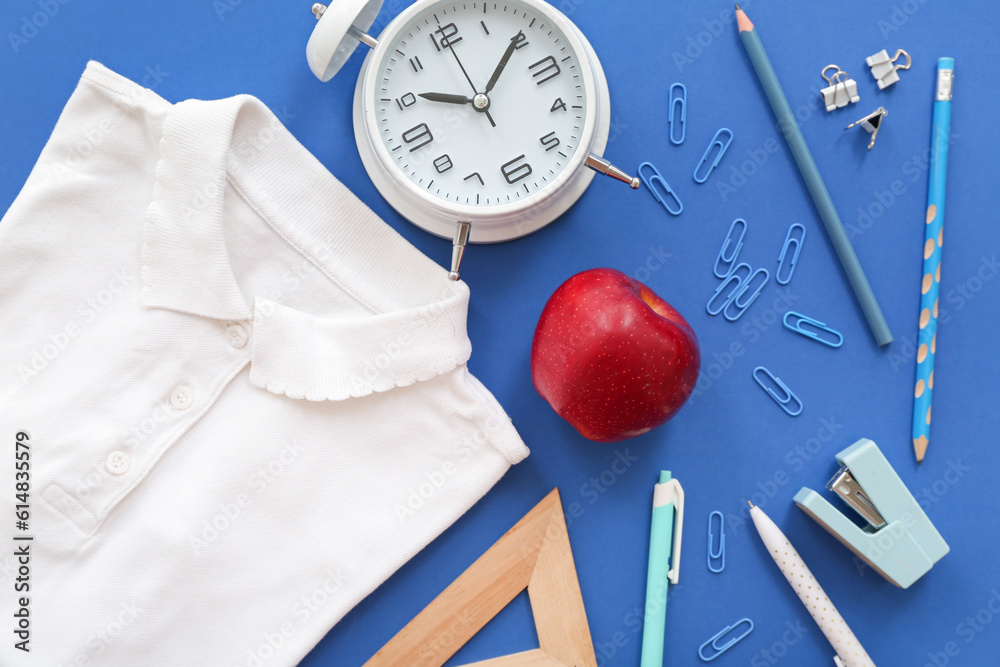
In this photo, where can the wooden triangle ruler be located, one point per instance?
(534, 554)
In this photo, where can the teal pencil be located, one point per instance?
(930, 284)
(814, 182)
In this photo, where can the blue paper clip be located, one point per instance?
(800, 319)
(675, 101)
(651, 181)
(722, 259)
(784, 402)
(738, 282)
(741, 303)
(713, 643)
(718, 158)
(789, 240)
(720, 553)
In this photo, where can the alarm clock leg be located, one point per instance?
(602, 166)
(458, 248)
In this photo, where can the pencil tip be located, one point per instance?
(920, 448)
(743, 22)
(750, 504)
(737, 6)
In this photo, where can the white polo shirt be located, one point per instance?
(238, 399)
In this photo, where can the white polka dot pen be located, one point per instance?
(848, 648)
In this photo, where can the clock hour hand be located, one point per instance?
(503, 61)
(447, 98)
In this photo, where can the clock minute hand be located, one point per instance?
(503, 61)
(447, 98)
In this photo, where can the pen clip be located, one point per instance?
(674, 493)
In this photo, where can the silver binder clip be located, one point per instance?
(872, 122)
(884, 68)
(843, 90)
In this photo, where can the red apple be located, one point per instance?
(611, 357)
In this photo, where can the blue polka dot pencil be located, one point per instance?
(814, 182)
(934, 236)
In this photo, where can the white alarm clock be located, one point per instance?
(475, 120)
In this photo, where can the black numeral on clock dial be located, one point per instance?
(513, 172)
(416, 64)
(547, 69)
(558, 105)
(447, 35)
(442, 163)
(521, 40)
(418, 134)
(550, 141)
(407, 100)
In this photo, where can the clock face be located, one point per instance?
(481, 104)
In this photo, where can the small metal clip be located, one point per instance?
(741, 303)
(722, 259)
(716, 141)
(790, 403)
(789, 241)
(799, 319)
(713, 642)
(842, 90)
(681, 122)
(738, 283)
(667, 193)
(884, 68)
(720, 553)
(871, 123)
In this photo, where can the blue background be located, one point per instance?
(731, 443)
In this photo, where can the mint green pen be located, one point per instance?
(664, 562)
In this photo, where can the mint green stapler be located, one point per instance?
(899, 541)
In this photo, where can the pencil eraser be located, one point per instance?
(946, 63)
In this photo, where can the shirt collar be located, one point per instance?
(418, 324)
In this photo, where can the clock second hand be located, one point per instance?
(469, 79)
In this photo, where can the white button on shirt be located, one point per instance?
(237, 382)
(117, 463)
(237, 335)
(181, 397)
